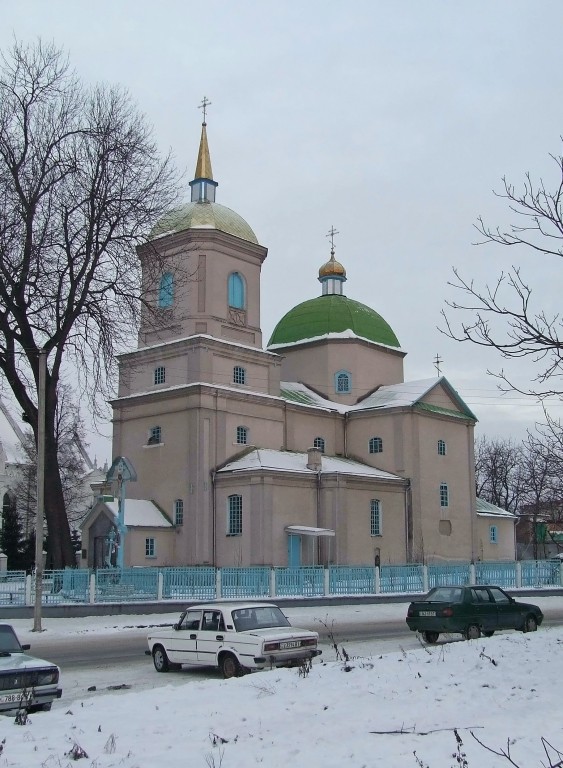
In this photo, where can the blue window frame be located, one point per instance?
(237, 298)
(441, 447)
(239, 375)
(343, 382)
(375, 445)
(319, 442)
(493, 534)
(179, 512)
(242, 435)
(150, 547)
(444, 495)
(234, 515)
(155, 436)
(160, 375)
(166, 290)
(375, 517)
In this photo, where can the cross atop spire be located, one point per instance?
(204, 104)
(331, 233)
(437, 363)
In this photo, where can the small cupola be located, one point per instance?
(203, 186)
(332, 274)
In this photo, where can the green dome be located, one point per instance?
(204, 215)
(332, 314)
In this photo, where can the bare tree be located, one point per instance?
(81, 185)
(502, 315)
(498, 475)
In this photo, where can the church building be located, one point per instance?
(311, 449)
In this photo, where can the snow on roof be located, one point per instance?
(347, 334)
(10, 441)
(308, 530)
(140, 513)
(292, 461)
(197, 337)
(486, 509)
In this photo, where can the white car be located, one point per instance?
(25, 682)
(236, 637)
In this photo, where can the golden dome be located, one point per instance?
(332, 268)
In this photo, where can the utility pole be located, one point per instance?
(40, 490)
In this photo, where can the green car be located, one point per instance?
(472, 610)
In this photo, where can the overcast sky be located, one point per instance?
(391, 121)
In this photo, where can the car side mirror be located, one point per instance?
(26, 647)
(177, 626)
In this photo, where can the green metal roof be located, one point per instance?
(204, 215)
(332, 314)
(464, 414)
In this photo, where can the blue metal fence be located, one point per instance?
(189, 583)
(206, 583)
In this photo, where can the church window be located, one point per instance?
(319, 442)
(237, 298)
(343, 382)
(166, 290)
(179, 512)
(493, 534)
(375, 445)
(242, 435)
(234, 515)
(239, 375)
(375, 517)
(155, 436)
(150, 547)
(160, 375)
(444, 495)
(441, 447)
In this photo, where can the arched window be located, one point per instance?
(160, 375)
(234, 515)
(493, 534)
(441, 447)
(242, 435)
(319, 442)
(179, 512)
(239, 375)
(375, 517)
(343, 382)
(444, 495)
(166, 290)
(237, 298)
(375, 445)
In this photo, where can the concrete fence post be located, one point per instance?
(28, 600)
(92, 588)
(518, 575)
(272, 582)
(472, 576)
(218, 592)
(160, 587)
(425, 581)
(326, 581)
(377, 580)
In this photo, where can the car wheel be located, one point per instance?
(39, 708)
(160, 659)
(489, 632)
(530, 623)
(230, 666)
(472, 632)
(430, 637)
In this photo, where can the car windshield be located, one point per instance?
(259, 617)
(444, 595)
(9, 643)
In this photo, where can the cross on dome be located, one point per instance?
(204, 104)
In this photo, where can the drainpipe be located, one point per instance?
(346, 434)
(408, 522)
(213, 487)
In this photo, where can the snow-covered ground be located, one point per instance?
(389, 710)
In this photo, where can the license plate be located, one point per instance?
(427, 613)
(13, 698)
(289, 644)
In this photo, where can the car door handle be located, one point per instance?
(193, 637)
(219, 637)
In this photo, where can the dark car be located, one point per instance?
(25, 682)
(472, 610)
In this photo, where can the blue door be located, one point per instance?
(294, 551)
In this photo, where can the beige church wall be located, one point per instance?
(317, 364)
(505, 548)
(303, 426)
(346, 505)
(388, 426)
(442, 533)
(440, 397)
(259, 378)
(269, 505)
(135, 547)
